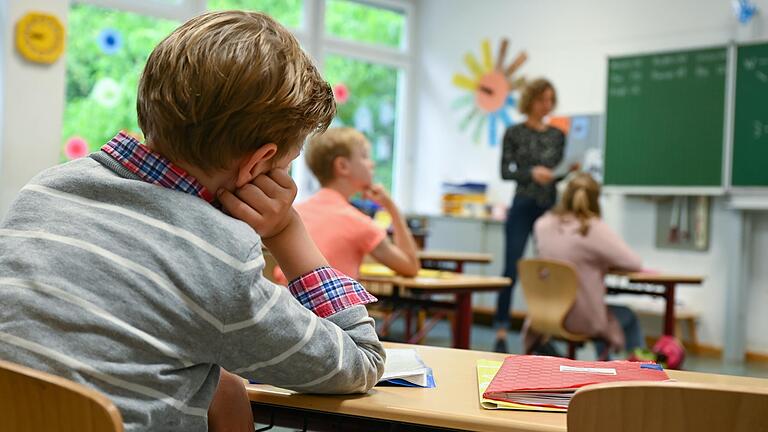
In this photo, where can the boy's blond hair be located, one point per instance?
(532, 91)
(224, 84)
(323, 149)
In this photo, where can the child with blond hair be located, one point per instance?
(138, 270)
(341, 160)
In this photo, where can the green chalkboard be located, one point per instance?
(665, 119)
(750, 122)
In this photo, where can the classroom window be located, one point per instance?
(287, 12)
(363, 22)
(106, 52)
(362, 48)
(366, 95)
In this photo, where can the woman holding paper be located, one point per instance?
(530, 152)
(575, 233)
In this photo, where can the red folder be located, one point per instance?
(552, 381)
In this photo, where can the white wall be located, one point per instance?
(31, 105)
(757, 299)
(568, 42)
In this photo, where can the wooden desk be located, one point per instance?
(649, 284)
(435, 259)
(461, 286)
(453, 404)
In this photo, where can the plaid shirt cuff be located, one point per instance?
(326, 291)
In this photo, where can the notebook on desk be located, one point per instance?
(542, 381)
(486, 370)
(404, 367)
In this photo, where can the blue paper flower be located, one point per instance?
(744, 10)
(110, 41)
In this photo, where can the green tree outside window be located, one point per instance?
(106, 52)
(287, 12)
(370, 106)
(361, 22)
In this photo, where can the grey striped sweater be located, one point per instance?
(140, 291)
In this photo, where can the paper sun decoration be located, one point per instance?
(490, 86)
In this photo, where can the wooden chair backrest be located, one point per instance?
(550, 289)
(34, 401)
(668, 406)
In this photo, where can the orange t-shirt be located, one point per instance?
(342, 233)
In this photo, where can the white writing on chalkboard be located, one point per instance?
(710, 57)
(669, 60)
(701, 72)
(669, 74)
(628, 77)
(625, 64)
(757, 67)
(760, 129)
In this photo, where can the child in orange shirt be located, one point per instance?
(340, 159)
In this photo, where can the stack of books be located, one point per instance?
(545, 383)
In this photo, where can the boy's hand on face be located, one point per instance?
(378, 194)
(265, 203)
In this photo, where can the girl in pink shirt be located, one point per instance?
(575, 233)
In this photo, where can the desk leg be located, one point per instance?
(392, 316)
(669, 313)
(462, 322)
(408, 322)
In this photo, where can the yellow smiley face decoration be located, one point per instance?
(40, 37)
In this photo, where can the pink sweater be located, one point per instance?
(592, 255)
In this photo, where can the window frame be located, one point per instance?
(318, 45)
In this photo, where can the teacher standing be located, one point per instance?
(530, 152)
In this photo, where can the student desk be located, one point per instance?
(461, 286)
(434, 259)
(655, 284)
(453, 404)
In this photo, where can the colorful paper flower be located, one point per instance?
(107, 92)
(341, 93)
(76, 147)
(744, 10)
(386, 113)
(110, 41)
(363, 119)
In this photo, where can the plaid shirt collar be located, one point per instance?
(152, 167)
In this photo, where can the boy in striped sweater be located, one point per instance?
(138, 270)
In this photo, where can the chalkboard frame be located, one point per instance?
(729, 94)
